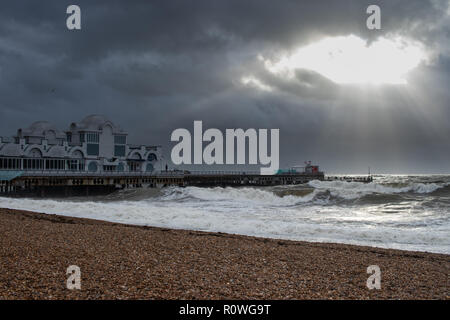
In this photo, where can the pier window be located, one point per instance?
(135, 162)
(92, 138)
(36, 153)
(55, 164)
(134, 166)
(120, 139)
(75, 165)
(92, 167)
(33, 164)
(119, 151)
(92, 149)
(109, 168)
(10, 163)
(119, 145)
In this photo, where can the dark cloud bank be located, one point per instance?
(154, 66)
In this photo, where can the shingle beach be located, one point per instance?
(134, 262)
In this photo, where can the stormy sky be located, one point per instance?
(155, 66)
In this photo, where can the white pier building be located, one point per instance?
(93, 146)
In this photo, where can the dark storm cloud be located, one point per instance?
(154, 66)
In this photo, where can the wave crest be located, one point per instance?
(241, 195)
(317, 192)
(354, 190)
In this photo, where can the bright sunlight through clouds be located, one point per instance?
(351, 60)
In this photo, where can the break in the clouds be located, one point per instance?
(343, 96)
(349, 59)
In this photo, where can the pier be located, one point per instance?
(64, 183)
(93, 156)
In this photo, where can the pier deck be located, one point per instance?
(84, 183)
(68, 183)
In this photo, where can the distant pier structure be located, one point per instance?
(94, 156)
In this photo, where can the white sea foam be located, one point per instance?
(261, 212)
(248, 196)
(354, 190)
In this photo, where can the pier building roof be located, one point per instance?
(95, 123)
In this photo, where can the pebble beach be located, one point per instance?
(120, 261)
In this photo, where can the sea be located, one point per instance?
(408, 212)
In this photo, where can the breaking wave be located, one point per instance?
(411, 213)
(354, 190)
(318, 192)
(242, 195)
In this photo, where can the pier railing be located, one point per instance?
(350, 178)
(216, 172)
(68, 173)
(171, 173)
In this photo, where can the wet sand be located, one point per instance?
(130, 262)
